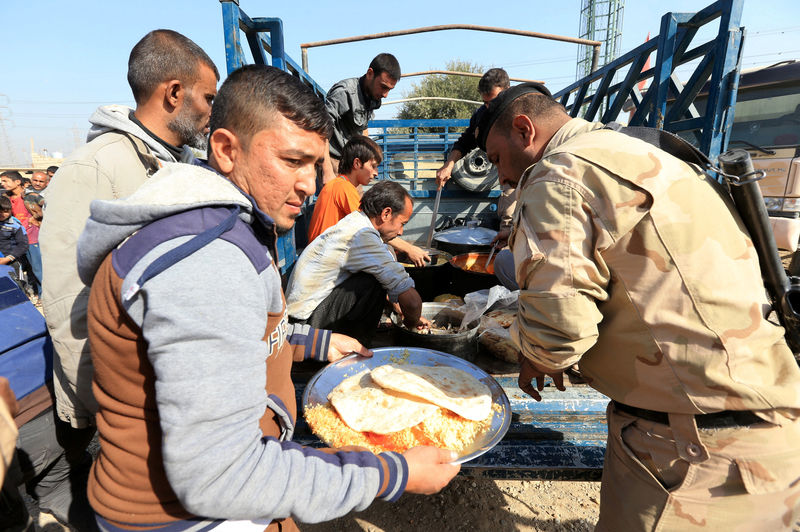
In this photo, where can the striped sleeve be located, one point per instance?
(393, 476)
(309, 343)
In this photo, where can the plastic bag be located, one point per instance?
(477, 303)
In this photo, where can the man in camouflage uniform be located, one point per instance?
(631, 263)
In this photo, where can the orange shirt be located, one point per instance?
(337, 199)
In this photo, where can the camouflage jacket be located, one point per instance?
(632, 263)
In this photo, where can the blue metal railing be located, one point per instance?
(264, 36)
(411, 156)
(668, 103)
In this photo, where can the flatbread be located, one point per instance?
(503, 317)
(366, 407)
(450, 388)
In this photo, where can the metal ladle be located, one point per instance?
(491, 254)
(433, 218)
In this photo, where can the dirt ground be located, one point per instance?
(465, 504)
(481, 505)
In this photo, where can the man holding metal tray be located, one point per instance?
(191, 343)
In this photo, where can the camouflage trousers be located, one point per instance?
(676, 477)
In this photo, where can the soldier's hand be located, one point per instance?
(429, 469)
(342, 346)
(528, 371)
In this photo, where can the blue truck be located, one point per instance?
(562, 437)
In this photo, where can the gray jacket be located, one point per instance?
(352, 245)
(111, 165)
(351, 110)
(203, 319)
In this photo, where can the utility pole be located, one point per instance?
(8, 155)
(601, 20)
(77, 140)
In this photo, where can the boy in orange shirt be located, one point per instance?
(339, 197)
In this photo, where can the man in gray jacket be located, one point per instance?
(192, 345)
(352, 102)
(173, 82)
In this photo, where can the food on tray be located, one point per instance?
(442, 429)
(449, 388)
(398, 406)
(365, 406)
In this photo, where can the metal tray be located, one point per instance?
(321, 384)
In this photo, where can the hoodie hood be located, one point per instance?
(117, 118)
(175, 188)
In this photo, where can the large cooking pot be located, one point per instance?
(470, 273)
(458, 240)
(432, 279)
(459, 343)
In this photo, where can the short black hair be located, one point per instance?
(13, 175)
(386, 63)
(384, 194)
(5, 203)
(162, 55)
(361, 148)
(53, 169)
(494, 77)
(251, 94)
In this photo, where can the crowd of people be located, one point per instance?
(22, 201)
(168, 459)
(174, 341)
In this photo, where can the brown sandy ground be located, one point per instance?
(481, 505)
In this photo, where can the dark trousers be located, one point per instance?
(52, 462)
(353, 308)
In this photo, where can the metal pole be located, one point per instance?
(491, 29)
(441, 27)
(456, 73)
(595, 58)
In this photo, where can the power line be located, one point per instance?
(122, 101)
(773, 32)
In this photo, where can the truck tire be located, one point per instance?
(474, 172)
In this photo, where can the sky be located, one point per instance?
(60, 60)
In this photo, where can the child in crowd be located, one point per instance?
(339, 197)
(34, 203)
(13, 240)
